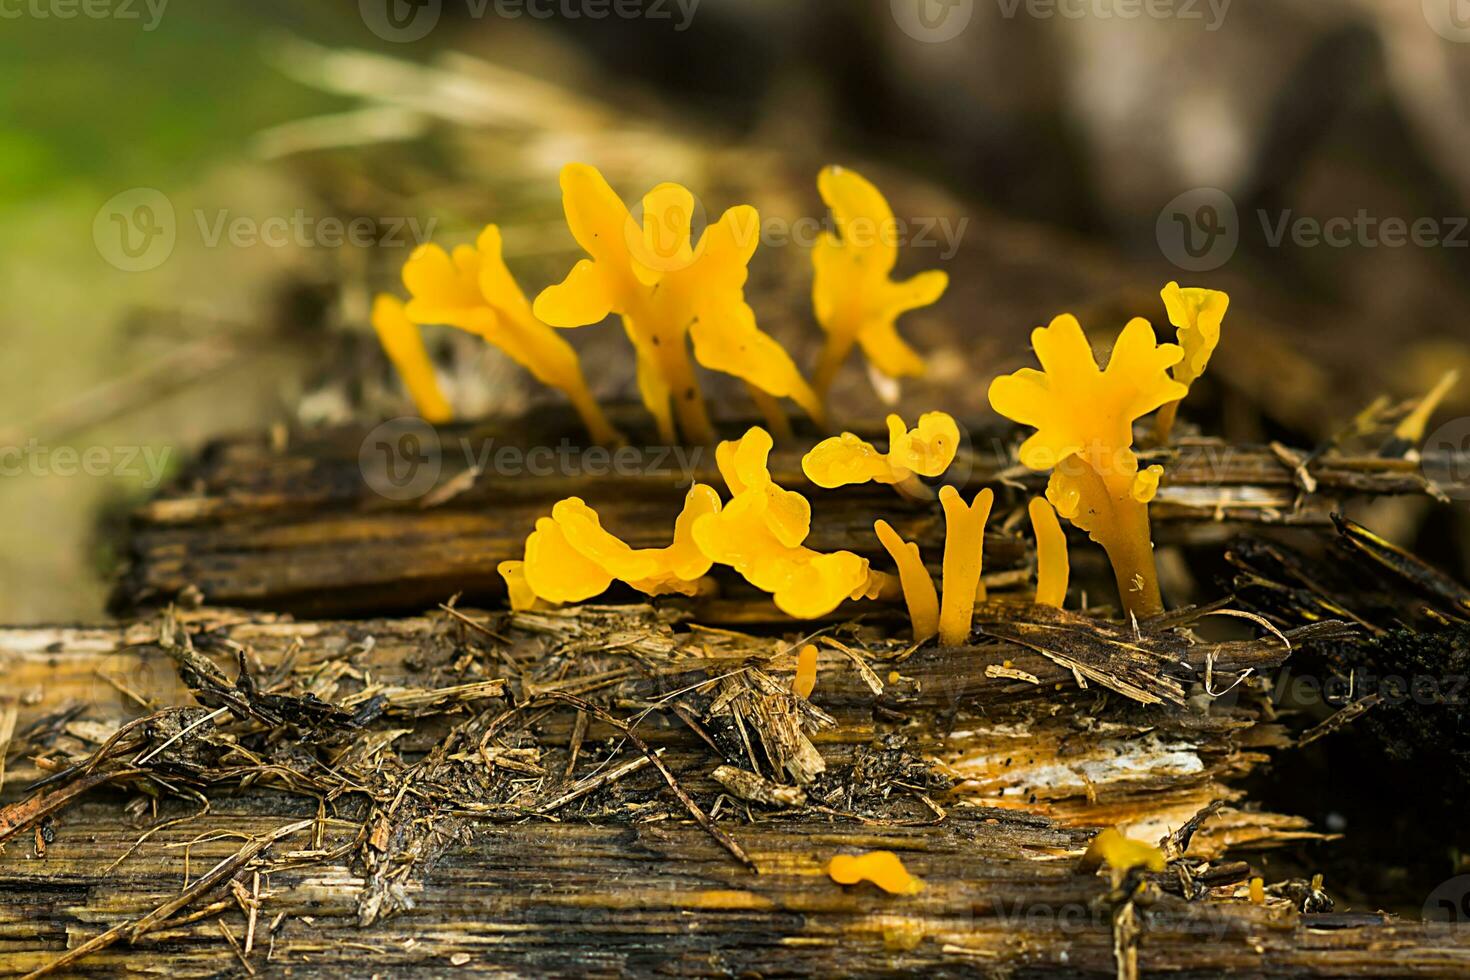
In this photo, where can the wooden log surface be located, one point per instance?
(418, 829)
(319, 526)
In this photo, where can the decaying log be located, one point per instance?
(304, 528)
(427, 792)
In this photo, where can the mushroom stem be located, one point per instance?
(770, 408)
(964, 544)
(918, 585)
(404, 346)
(1164, 423)
(1052, 565)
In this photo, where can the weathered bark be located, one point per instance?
(303, 529)
(466, 830)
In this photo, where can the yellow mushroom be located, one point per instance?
(1084, 418)
(925, 450)
(472, 289)
(882, 868)
(669, 293)
(855, 300)
(918, 585)
(570, 557)
(964, 544)
(1052, 565)
(1197, 315)
(759, 533)
(405, 348)
(805, 680)
(1110, 847)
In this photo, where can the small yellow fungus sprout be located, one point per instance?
(1052, 565)
(964, 545)
(1410, 430)
(759, 533)
(570, 557)
(1258, 891)
(925, 450)
(1110, 847)
(668, 293)
(1084, 418)
(472, 289)
(404, 346)
(1197, 315)
(805, 680)
(918, 585)
(882, 868)
(855, 301)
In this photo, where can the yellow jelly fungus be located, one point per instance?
(855, 301)
(918, 585)
(1052, 565)
(964, 545)
(404, 346)
(925, 450)
(1411, 429)
(1110, 847)
(669, 293)
(1084, 420)
(806, 672)
(882, 868)
(571, 557)
(1258, 891)
(759, 533)
(472, 289)
(1197, 315)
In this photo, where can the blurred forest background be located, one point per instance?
(1062, 139)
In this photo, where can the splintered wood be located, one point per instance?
(606, 788)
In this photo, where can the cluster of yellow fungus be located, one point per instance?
(1197, 315)
(1084, 418)
(759, 533)
(964, 544)
(882, 868)
(472, 289)
(925, 450)
(670, 293)
(571, 557)
(855, 300)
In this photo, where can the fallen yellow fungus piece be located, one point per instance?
(964, 545)
(925, 450)
(1052, 565)
(1084, 418)
(1197, 315)
(759, 533)
(404, 346)
(805, 680)
(669, 293)
(571, 557)
(882, 868)
(855, 301)
(472, 289)
(1110, 847)
(918, 585)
